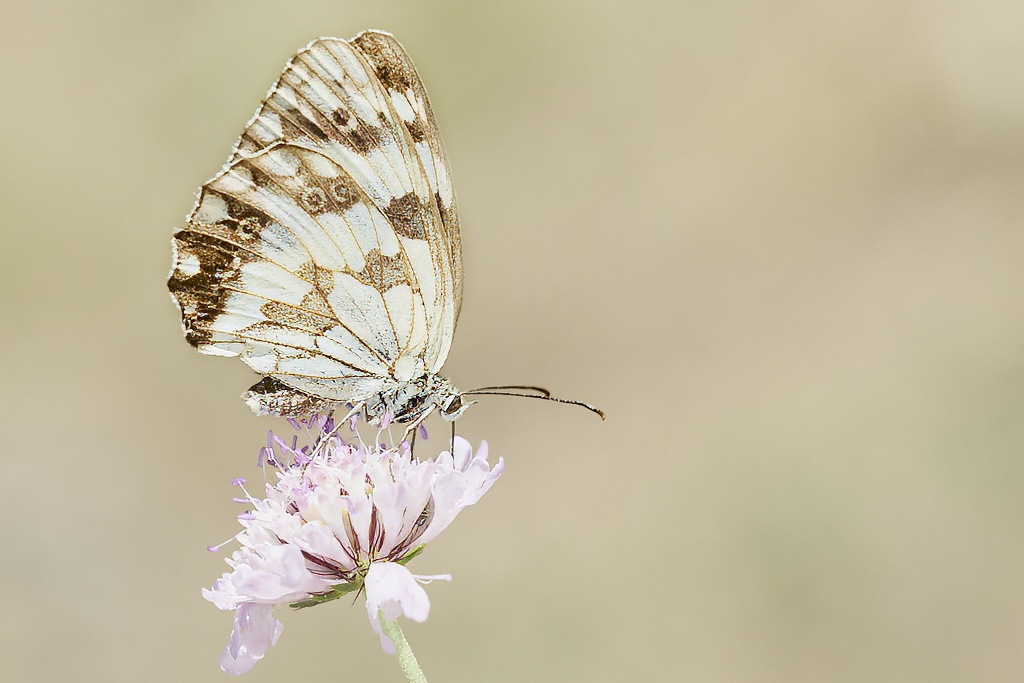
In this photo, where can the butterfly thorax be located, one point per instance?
(408, 401)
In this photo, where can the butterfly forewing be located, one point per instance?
(326, 253)
(396, 72)
(364, 105)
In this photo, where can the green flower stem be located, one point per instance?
(406, 659)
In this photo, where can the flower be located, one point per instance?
(341, 517)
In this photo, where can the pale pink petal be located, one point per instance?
(393, 590)
(455, 489)
(277, 573)
(400, 503)
(334, 510)
(359, 513)
(255, 631)
(280, 577)
(464, 452)
(319, 540)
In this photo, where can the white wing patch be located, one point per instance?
(326, 253)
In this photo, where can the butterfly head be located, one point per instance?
(454, 407)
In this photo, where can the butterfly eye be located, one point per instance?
(453, 407)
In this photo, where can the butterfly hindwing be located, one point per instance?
(363, 105)
(326, 253)
(260, 273)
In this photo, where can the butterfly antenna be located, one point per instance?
(540, 390)
(481, 392)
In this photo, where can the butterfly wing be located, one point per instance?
(326, 253)
(397, 74)
(363, 104)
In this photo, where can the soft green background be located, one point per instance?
(782, 244)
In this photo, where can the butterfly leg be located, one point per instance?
(411, 429)
(356, 409)
(452, 451)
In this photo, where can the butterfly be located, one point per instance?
(326, 253)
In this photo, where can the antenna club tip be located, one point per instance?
(544, 395)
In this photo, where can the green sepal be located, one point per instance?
(338, 591)
(415, 551)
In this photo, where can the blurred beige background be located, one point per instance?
(779, 243)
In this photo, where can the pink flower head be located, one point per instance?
(341, 517)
